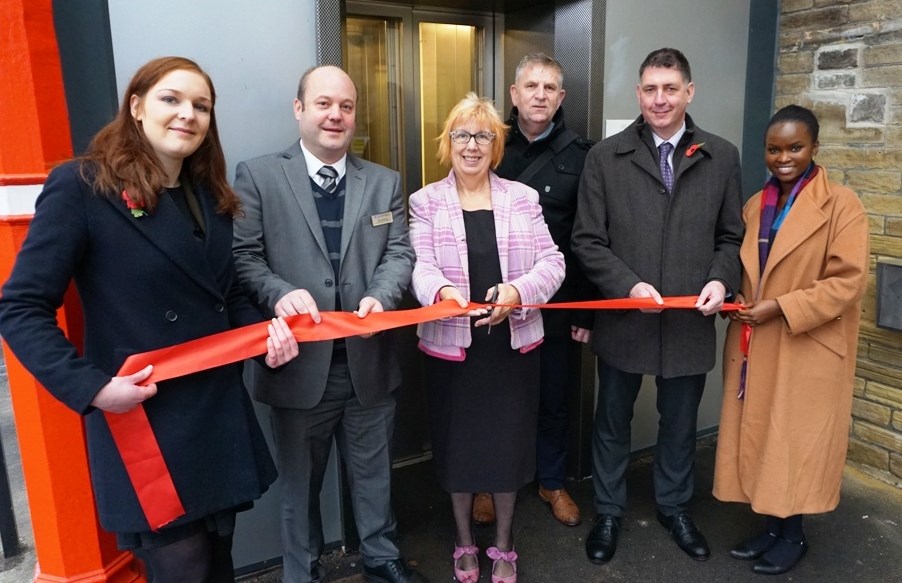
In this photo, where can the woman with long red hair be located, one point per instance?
(142, 224)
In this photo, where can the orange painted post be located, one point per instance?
(34, 136)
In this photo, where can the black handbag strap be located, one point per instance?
(564, 139)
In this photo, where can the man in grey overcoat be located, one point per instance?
(659, 214)
(325, 230)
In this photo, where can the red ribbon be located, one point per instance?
(745, 338)
(134, 436)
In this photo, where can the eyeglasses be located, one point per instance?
(463, 137)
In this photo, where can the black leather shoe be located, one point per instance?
(395, 571)
(686, 535)
(754, 547)
(317, 572)
(782, 557)
(602, 540)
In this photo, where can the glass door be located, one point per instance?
(450, 65)
(373, 58)
(411, 66)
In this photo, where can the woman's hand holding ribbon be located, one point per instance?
(281, 347)
(760, 312)
(507, 299)
(124, 393)
(449, 292)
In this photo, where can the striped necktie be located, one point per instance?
(328, 176)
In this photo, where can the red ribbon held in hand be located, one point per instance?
(134, 436)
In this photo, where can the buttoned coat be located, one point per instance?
(279, 247)
(144, 283)
(530, 261)
(783, 447)
(628, 229)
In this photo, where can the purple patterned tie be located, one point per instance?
(666, 173)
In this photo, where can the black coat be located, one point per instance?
(557, 183)
(628, 229)
(144, 283)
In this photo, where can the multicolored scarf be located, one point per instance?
(767, 232)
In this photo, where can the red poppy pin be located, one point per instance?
(691, 149)
(136, 208)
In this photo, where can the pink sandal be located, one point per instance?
(470, 575)
(507, 556)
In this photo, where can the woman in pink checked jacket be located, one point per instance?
(481, 238)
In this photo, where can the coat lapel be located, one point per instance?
(805, 218)
(501, 207)
(456, 216)
(171, 231)
(683, 162)
(641, 155)
(355, 187)
(748, 252)
(295, 168)
(634, 141)
(218, 232)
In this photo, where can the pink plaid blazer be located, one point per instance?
(530, 261)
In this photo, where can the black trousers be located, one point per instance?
(559, 359)
(674, 466)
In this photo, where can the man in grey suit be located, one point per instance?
(659, 214)
(325, 230)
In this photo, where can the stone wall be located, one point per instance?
(844, 60)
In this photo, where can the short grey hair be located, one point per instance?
(542, 60)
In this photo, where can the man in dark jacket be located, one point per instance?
(659, 215)
(542, 153)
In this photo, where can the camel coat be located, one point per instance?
(783, 447)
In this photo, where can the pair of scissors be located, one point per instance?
(492, 309)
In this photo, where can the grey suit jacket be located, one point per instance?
(279, 247)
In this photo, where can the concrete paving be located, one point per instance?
(18, 568)
(861, 541)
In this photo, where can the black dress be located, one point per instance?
(484, 410)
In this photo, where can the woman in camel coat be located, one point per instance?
(784, 429)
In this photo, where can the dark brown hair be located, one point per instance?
(667, 58)
(120, 157)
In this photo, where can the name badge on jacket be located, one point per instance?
(382, 219)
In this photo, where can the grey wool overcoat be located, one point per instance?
(629, 229)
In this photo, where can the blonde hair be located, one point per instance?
(482, 111)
